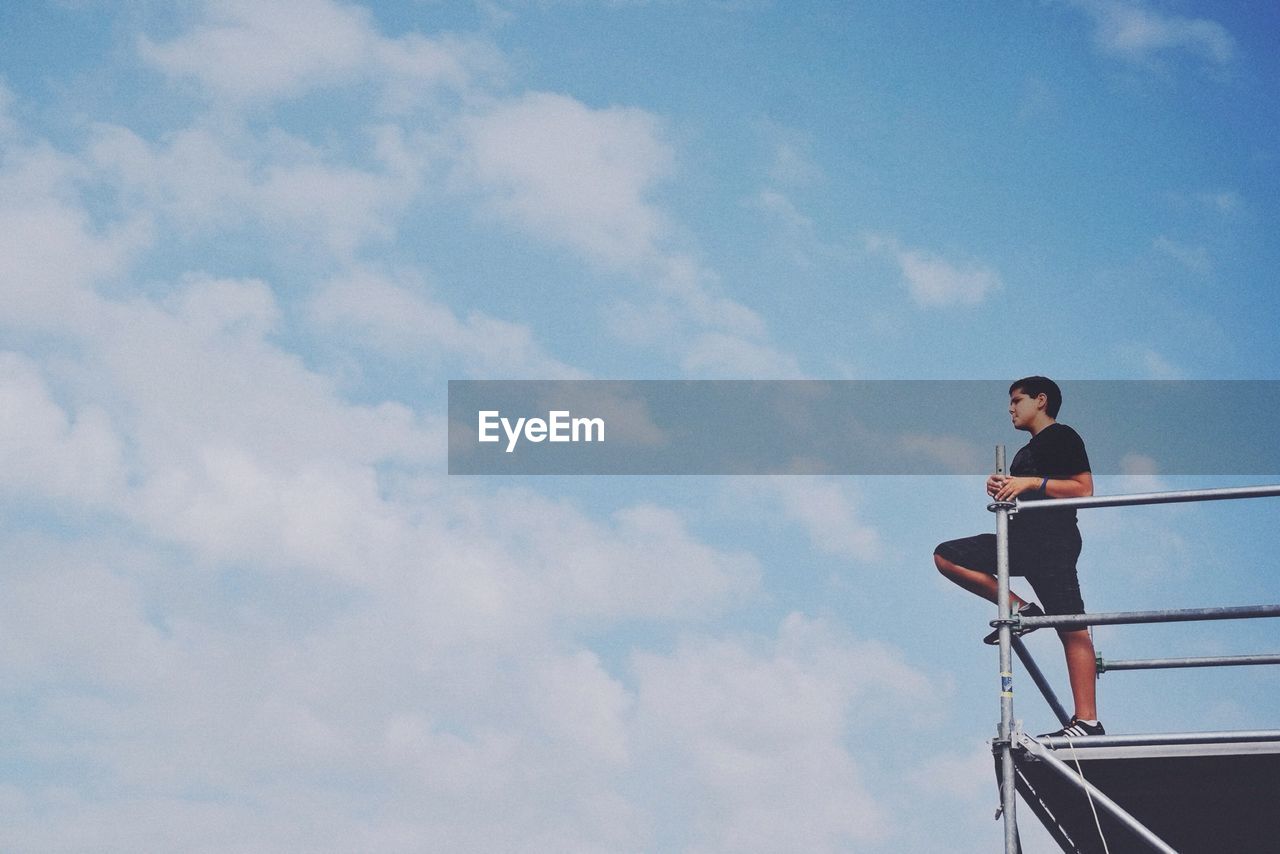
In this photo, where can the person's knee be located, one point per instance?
(944, 566)
(949, 569)
(1075, 637)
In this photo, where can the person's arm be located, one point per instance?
(1076, 486)
(1009, 488)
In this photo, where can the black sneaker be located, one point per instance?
(1030, 610)
(1076, 729)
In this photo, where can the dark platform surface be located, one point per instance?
(1200, 799)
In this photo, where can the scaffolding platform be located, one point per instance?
(1196, 792)
(1174, 793)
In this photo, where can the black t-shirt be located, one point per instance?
(1056, 452)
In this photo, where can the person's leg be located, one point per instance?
(1058, 588)
(1082, 669)
(974, 581)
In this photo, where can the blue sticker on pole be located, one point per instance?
(1006, 683)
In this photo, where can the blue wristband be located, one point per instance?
(1044, 487)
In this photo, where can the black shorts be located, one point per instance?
(1048, 564)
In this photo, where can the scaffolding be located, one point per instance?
(1138, 792)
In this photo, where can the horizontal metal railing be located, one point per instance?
(1136, 498)
(1170, 663)
(1162, 738)
(1177, 615)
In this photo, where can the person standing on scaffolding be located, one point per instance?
(1043, 546)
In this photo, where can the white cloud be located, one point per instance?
(1136, 32)
(345, 206)
(47, 450)
(695, 291)
(792, 162)
(578, 703)
(402, 636)
(574, 176)
(1138, 465)
(1223, 201)
(414, 69)
(201, 371)
(935, 282)
(236, 734)
(229, 506)
(265, 620)
(233, 447)
(239, 308)
(777, 204)
(241, 453)
(718, 355)
(191, 177)
(249, 51)
(585, 179)
(69, 617)
(205, 183)
(1138, 473)
(707, 333)
(966, 776)
(52, 254)
(399, 321)
(244, 53)
(753, 735)
(1195, 259)
(830, 513)
(1148, 361)
(644, 563)
(794, 230)
(581, 177)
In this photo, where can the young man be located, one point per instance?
(1043, 545)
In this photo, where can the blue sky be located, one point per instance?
(244, 245)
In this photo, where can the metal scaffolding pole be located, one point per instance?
(1178, 615)
(1165, 738)
(1008, 783)
(1033, 670)
(1168, 663)
(1174, 497)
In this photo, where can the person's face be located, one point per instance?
(1022, 409)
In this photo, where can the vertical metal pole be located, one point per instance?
(1008, 787)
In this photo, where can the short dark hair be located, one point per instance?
(1036, 386)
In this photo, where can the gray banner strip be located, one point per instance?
(913, 427)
